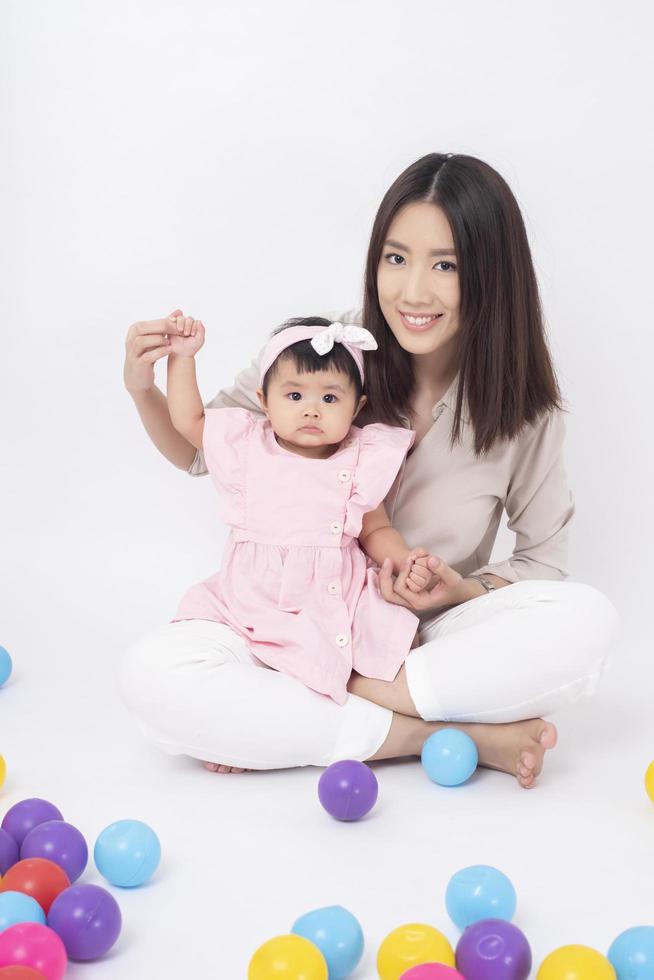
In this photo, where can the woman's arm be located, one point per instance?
(147, 341)
(152, 407)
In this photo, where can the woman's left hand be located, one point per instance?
(449, 588)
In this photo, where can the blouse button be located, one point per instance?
(332, 588)
(344, 475)
(341, 640)
(335, 527)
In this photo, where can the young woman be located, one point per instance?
(452, 301)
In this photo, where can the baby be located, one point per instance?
(302, 491)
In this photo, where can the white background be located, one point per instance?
(229, 159)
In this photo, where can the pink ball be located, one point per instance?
(31, 944)
(432, 971)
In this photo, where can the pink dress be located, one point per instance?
(294, 582)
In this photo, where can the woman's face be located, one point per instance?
(418, 279)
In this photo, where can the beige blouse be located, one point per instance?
(451, 503)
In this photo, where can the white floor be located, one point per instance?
(243, 856)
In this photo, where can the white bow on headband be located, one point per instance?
(343, 333)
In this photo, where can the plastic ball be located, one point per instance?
(30, 944)
(493, 949)
(432, 971)
(3, 770)
(348, 789)
(60, 842)
(20, 973)
(632, 953)
(17, 907)
(5, 666)
(127, 853)
(37, 877)
(649, 781)
(479, 892)
(449, 757)
(288, 958)
(26, 814)
(411, 945)
(338, 936)
(88, 920)
(8, 851)
(575, 963)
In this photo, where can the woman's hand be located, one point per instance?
(145, 343)
(448, 588)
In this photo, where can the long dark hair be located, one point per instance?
(503, 362)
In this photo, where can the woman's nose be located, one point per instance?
(417, 288)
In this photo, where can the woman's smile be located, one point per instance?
(418, 324)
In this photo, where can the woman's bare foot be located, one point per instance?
(217, 767)
(516, 747)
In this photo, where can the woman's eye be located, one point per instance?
(390, 256)
(450, 264)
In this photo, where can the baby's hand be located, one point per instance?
(420, 575)
(186, 335)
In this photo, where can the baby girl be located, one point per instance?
(302, 491)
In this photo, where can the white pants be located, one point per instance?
(520, 652)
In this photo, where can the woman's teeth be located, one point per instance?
(421, 321)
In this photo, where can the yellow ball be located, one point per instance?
(411, 945)
(649, 781)
(3, 770)
(575, 963)
(288, 958)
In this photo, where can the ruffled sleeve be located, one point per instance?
(224, 445)
(381, 454)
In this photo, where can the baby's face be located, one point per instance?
(310, 413)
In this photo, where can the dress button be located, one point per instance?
(332, 588)
(344, 475)
(335, 527)
(341, 640)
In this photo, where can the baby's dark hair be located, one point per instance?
(308, 360)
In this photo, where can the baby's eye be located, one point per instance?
(331, 396)
(450, 264)
(391, 256)
(292, 395)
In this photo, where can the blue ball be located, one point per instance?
(15, 907)
(338, 936)
(479, 892)
(449, 757)
(127, 853)
(632, 953)
(5, 666)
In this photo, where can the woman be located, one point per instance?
(452, 300)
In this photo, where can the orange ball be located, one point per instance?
(37, 877)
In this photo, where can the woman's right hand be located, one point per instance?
(145, 343)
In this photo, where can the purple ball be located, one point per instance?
(8, 851)
(60, 842)
(493, 949)
(87, 919)
(348, 789)
(26, 814)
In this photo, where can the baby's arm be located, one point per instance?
(184, 401)
(379, 540)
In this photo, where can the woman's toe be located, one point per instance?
(548, 736)
(528, 760)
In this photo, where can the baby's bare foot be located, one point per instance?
(517, 747)
(217, 767)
